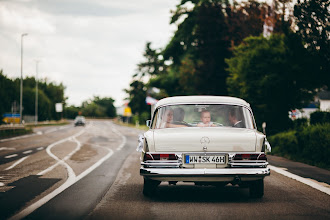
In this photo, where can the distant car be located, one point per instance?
(80, 120)
(208, 140)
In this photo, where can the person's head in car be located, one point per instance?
(206, 119)
(178, 115)
(233, 119)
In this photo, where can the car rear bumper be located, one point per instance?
(225, 174)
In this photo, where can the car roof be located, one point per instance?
(202, 100)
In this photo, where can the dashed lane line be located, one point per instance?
(11, 156)
(16, 163)
(27, 152)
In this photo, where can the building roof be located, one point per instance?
(202, 100)
(324, 95)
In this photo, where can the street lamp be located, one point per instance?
(21, 90)
(36, 108)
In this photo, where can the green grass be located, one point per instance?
(13, 132)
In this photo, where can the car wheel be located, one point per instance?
(257, 189)
(149, 186)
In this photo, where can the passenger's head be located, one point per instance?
(206, 117)
(168, 115)
(178, 114)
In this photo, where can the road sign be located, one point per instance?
(59, 107)
(11, 118)
(127, 112)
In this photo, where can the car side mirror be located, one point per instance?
(148, 123)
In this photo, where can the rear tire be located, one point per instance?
(257, 189)
(149, 186)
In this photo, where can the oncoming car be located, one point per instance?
(80, 120)
(208, 140)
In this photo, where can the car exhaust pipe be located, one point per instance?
(236, 181)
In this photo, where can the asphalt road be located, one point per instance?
(100, 175)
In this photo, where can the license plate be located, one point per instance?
(218, 159)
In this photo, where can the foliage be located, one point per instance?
(48, 95)
(300, 123)
(309, 144)
(273, 75)
(71, 112)
(7, 133)
(319, 117)
(98, 107)
(284, 143)
(313, 17)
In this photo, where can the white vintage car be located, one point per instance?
(208, 140)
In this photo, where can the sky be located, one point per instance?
(91, 46)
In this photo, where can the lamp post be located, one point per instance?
(36, 107)
(21, 89)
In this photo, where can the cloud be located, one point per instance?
(91, 46)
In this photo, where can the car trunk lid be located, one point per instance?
(204, 139)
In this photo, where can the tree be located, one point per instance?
(274, 75)
(106, 103)
(137, 96)
(312, 18)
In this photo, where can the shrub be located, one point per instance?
(309, 144)
(284, 143)
(316, 144)
(319, 117)
(300, 123)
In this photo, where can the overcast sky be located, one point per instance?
(91, 46)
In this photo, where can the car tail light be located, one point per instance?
(149, 156)
(257, 156)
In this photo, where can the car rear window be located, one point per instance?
(203, 115)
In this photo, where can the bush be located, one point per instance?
(308, 144)
(315, 141)
(319, 117)
(284, 143)
(300, 123)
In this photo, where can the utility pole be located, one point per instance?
(36, 107)
(21, 88)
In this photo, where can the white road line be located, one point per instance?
(16, 163)
(7, 148)
(70, 181)
(122, 137)
(27, 152)
(40, 148)
(306, 181)
(59, 161)
(10, 156)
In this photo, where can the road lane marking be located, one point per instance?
(7, 148)
(306, 181)
(16, 163)
(59, 161)
(124, 139)
(27, 152)
(40, 148)
(70, 181)
(11, 156)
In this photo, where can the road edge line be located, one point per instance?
(301, 179)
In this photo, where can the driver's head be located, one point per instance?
(178, 114)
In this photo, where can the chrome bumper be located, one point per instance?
(223, 172)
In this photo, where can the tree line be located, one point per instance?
(221, 48)
(49, 93)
